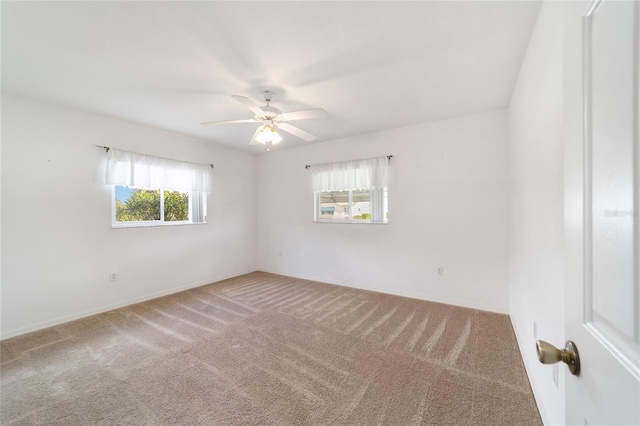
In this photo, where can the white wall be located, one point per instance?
(447, 206)
(536, 227)
(58, 246)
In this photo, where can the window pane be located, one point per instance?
(355, 206)
(361, 205)
(176, 206)
(334, 205)
(134, 205)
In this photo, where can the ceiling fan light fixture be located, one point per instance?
(276, 138)
(268, 134)
(270, 118)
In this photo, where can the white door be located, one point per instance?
(602, 157)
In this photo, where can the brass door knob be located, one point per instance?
(549, 354)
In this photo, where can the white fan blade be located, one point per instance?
(296, 131)
(303, 115)
(253, 140)
(211, 123)
(249, 104)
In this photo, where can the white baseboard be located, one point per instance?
(61, 320)
(427, 297)
(527, 369)
(105, 308)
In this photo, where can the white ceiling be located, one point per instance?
(371, 65)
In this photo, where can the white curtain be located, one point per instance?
(378, 205)
(198, 207)
(148, 172)
(370, 173)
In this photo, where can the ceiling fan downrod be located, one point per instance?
(267, 95)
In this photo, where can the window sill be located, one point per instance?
(152, 224)
(335, 222)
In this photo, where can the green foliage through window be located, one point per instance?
(176, 206)
(144, 205)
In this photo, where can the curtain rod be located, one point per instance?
(307, 166)
(107, 148)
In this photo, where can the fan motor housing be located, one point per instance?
(271, 111)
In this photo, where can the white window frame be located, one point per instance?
(317, 215)
(161, 222)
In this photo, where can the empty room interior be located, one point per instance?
(320, 213)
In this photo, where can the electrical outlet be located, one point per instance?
(555, 374)
(535, 330)
(280, 253)
(113, 277)
(441, 270)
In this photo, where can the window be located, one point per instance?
(352, 206)
(151, 191)
(352, 191)
(143, 207)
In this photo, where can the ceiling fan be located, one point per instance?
(272, 118)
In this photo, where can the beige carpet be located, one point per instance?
(263, 349)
